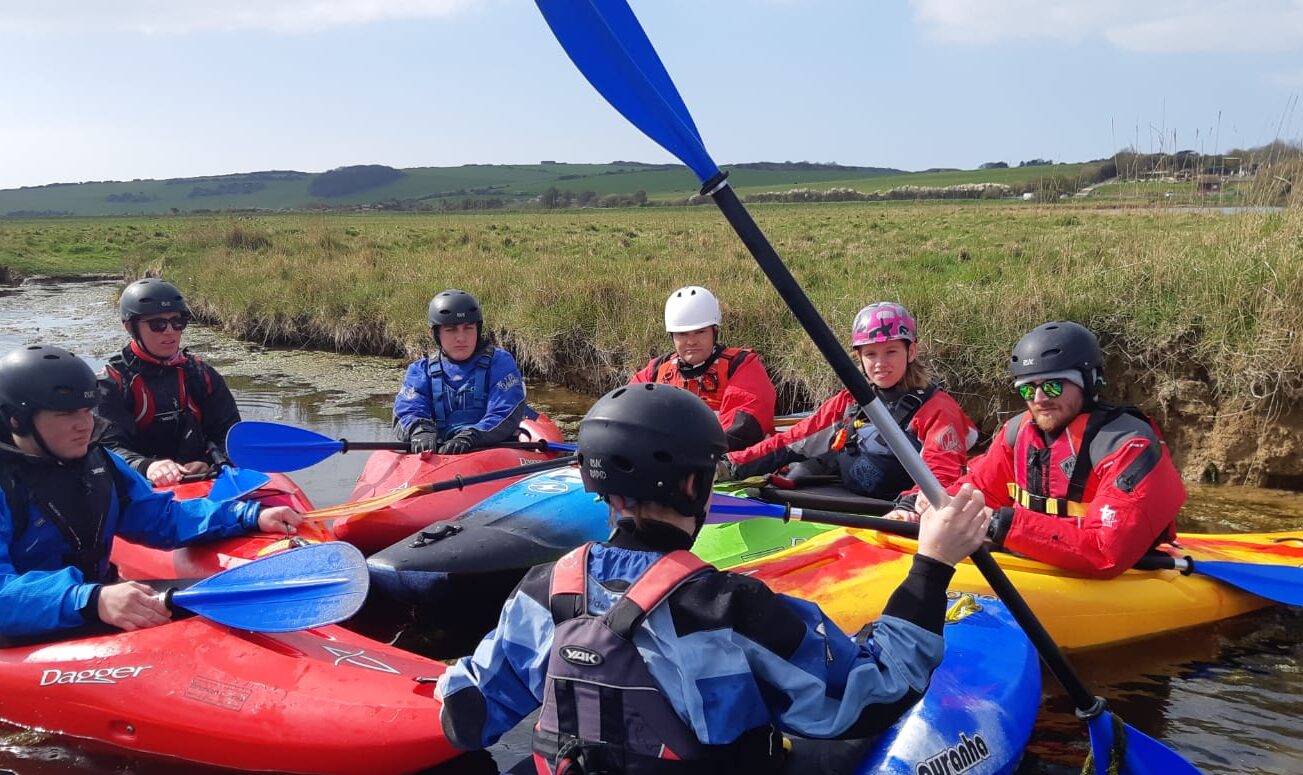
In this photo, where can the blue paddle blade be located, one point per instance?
(1280, 583)
(605, 41)
(1141, 754)
(298, 589)
(269, 446)
(730, 508)
(234, 483)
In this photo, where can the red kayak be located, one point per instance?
(317, 701)
(386, 472)
(135, 561)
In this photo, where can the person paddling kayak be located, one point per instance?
(470, 395)
(66, 496)
(732, 381)
(646, 659)
(166, 411)
(839, 439)
(1076, 482)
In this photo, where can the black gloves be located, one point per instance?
(457, 445)
(424, 441)
(1001, 521)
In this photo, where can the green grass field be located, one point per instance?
(578, 294)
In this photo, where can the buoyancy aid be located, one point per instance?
(457, 406)
(867, 465)
(1058, 478)
(603, 712)
(707, 380)
(164, 402)
(81, 514)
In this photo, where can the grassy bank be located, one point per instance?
(578, 294)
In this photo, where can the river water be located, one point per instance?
(1229, 697)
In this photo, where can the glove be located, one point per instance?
(1001, 521)
(424, 441)
(457, 445)
(724, 471)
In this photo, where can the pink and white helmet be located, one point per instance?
(883, 321)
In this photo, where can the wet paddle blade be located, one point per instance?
(269, 446)
(234, 483)
(605, 41)
(1140, 753)
(1281, 583)
(298, 589)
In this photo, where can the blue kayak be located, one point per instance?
(977, 714)
(530, 522)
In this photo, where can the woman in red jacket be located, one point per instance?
(732, 381)
(840, 439)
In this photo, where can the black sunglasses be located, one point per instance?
(159, 325)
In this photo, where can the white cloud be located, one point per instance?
(180, 16)
(1147, 26)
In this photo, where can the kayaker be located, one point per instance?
(1078, 483)
(65, 497)
(732, 381)
(167, 411)
(644, 659)
(470, 395)
(838, 439)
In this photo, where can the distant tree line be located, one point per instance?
(227, 188)
(554, 198)
(350, 180)
(128, 196)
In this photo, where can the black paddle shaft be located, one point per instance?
(403, 446)
(461, 482)
(855, 381)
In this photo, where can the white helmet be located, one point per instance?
(691, 308)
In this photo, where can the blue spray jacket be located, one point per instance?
(482, 397)
(729, 654)
(41, 593)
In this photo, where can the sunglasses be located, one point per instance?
(159, 325)
(1052, 388)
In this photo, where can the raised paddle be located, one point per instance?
(270, 446)
(370, 505)
(1278, 583)
(297, 589)
(605, 41)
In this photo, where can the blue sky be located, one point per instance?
(123, 89)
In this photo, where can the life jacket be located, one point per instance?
(1059, 479)
(867, 465)
(458, 407)
(710, 383)
(82, 514)
(603, 712)
(164, 401)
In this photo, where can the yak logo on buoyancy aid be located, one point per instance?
(578, 655)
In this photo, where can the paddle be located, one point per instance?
(234, 483)
(297, 589)
(1279, 583)
(605, 41)
(358, 508)
(270, 446)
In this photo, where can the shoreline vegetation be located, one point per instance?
(1199, 312)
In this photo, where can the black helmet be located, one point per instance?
(39, 377)
(1060, 345)
(451, 307)
(151, 296)
(640, 441)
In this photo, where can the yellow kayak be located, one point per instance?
(850, 573)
